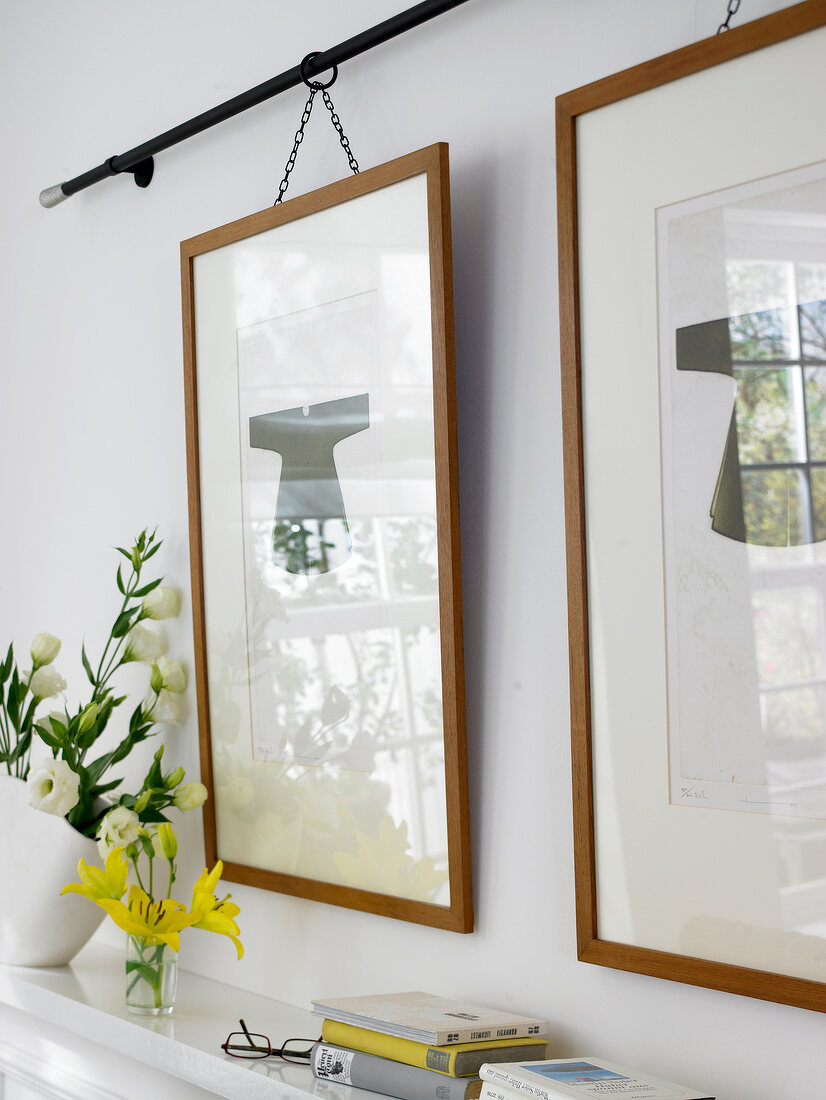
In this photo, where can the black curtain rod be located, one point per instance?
(138, 161)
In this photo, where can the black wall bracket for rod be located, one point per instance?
(143, 171)
(139, 161)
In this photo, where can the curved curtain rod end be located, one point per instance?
(52, 196)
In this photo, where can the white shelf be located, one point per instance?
(86, 999)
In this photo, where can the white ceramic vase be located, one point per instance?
(38, 856)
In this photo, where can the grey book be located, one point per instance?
(368, 1071)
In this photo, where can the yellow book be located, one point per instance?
(456, 1060)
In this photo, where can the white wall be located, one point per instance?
(92, 440)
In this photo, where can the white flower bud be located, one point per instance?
(162, 602)
(46, 682)
(44, 649)
(117, 829)
(164, 841)
(190, 796)
(53, 787)
(143, 644)
(174, 675)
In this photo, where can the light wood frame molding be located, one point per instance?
(753, 36)
(432, 162)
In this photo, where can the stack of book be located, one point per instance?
(417, 1046)
(565, 1078)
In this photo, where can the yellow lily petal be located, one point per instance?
(155, 922)
(208, 880)
(212, 915)
(96, 883)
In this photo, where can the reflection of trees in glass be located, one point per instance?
(765, 424)
(302, 546)
(759, 334)
(813, 330)
(818, 482)
(793, 722)
(357, 581)
(773, 507)
(358, 665)
(412, 545)
(787, 629)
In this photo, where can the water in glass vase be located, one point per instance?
(151, 976)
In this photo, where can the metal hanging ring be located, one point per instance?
(316, 84)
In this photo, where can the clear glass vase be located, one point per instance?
(151, 976)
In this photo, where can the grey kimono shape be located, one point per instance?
(310, 532)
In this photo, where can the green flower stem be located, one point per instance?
(153, 965)
(104, 674)
(134, 863)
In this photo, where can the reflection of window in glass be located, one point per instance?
(771, 490)
(778, 359)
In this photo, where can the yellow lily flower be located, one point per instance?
(96, 883)
(155, 922)
(209, 913)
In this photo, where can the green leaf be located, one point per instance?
(98, 767)
(26, 724)
(152, 817)
(5, 668)
(152, 550)
(125, 553)
(22, 747)
(123, 622)
(139, 593)
(87, 666)
(119, 582)
(86, 739)
(13, 702)
(49, 738)
(104, 788)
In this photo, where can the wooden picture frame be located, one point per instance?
(318, 335)
(666, 886)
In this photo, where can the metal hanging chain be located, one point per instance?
(316, 86)
(733, 5)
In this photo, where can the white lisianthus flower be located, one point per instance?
(143, 644)
(44, 648)
(168, 708)
(117, 830)
(162, 602)
(190, 796)
(45, 682)
(174, 675)
(53, 788)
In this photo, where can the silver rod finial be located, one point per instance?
(52, 196)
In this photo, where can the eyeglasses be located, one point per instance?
(247, 1044)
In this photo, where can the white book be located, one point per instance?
(566, 1078)
(425, 1018)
